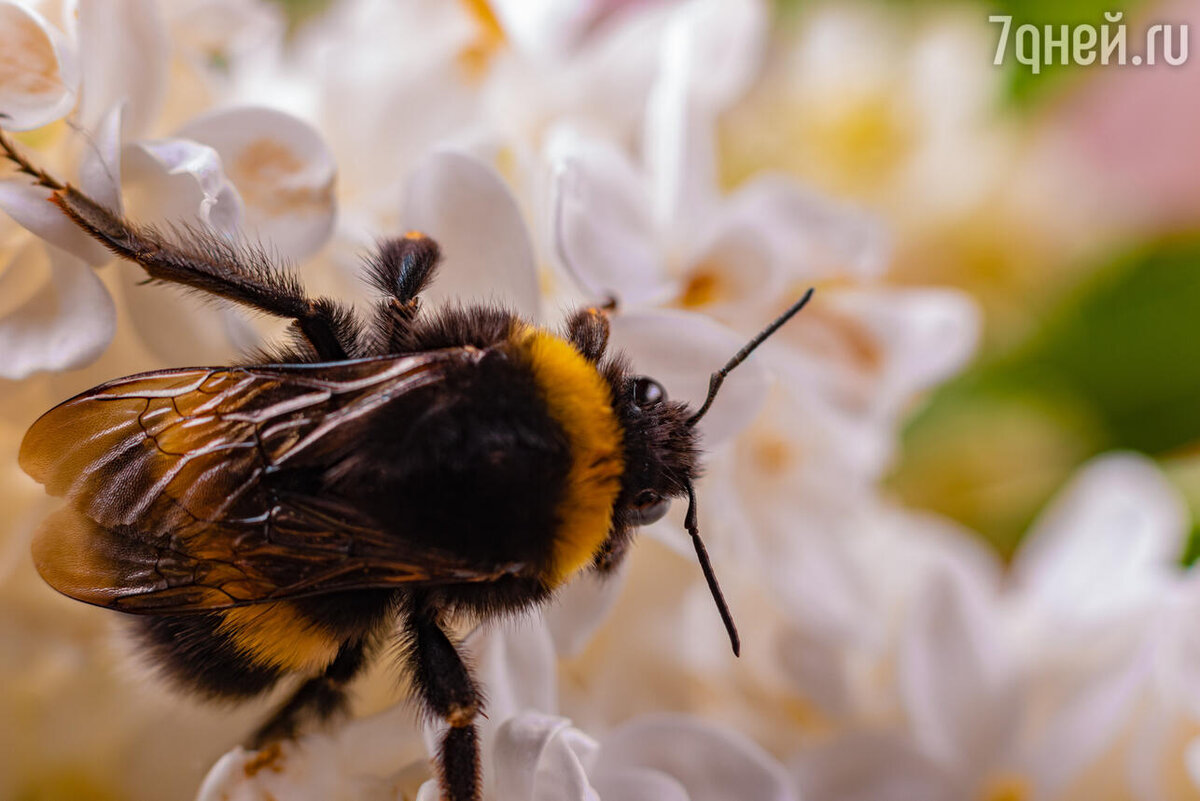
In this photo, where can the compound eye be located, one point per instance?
(647, 392)
(648, 508)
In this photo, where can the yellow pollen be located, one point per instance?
(414, 235)
(264, 171)
(1006, 787)
(703, 288)
(476, 56)
(771, 455)
(44, 137)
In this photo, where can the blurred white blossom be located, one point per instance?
(566, 152)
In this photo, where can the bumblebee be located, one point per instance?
(272, 519)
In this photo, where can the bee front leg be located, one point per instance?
(320, 697)
(447, 690)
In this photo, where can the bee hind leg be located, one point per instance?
(448, 691)
(320, 698)
(40, 176)
(206, 261)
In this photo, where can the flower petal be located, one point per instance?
(1106, 546)
(541, 758)
(731, 276)
(678, 145)
(639, 784)
(601, 221)
(65, 321)
(30, 206)
(299, 772)
(680, 350)
(543, 28)
(709, 52)
(727, 40)
(1191, 760)
(123, 52)
(1090, 718)
(100, 170)
(517, 666)
(580, 608)
(955, 679)
(868, 351)
(809, 236)
(713, 764)
(283, 171)
(39, 73)
(1176, 647)
(488, 257)
(870, 767)
(178, 182)
(926, 334)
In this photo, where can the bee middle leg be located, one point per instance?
(448, 691)
(587, 330)
(401, 269)
(403, 266)
(320, 697)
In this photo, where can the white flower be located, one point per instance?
(663, 235)
(977, 724)
(465, 205)
(250, 173)
(601, 75)
(63, 316)
(1099, 562)
(542, 757)
(39, 76)
(999, 692)
(1100, 593)
(280, 180)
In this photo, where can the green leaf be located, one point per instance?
(1130, 345)
(1116, 366)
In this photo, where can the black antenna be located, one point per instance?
(693, 528)
(718, 378)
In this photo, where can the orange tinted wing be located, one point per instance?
(166, 506)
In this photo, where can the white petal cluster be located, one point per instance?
(566, 152)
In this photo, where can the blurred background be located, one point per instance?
(1066, 202)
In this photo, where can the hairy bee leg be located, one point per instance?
(206, 262)
(320, 697)
(211, 264)
(404, 266)
(24, 165)
(401, 269)
(447, 690)
(587, 330)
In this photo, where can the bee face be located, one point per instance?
(661, 450)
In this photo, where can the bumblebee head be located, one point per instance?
(662, 451)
